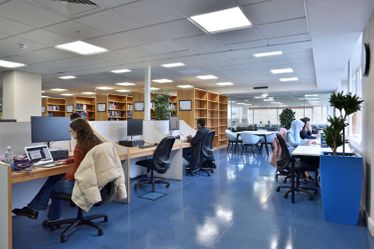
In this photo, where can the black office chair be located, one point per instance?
(80, 219)
(207, 163)
(286, 165)
(159, 163)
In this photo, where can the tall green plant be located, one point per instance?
(347, 104)
(286, 117)
(161, 106)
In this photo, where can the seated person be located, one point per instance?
(192, 154)
(306, 132)
(293, 138)
(86, 140)
(74, 116)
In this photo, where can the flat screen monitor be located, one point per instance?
(134, 127)
(173, 123)
(49, 129)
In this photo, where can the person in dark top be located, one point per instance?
(306, 132)
(192, 154)
(74, 116)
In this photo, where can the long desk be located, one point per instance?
(7, 178)
(261, 133)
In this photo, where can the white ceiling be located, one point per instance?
(152, 32)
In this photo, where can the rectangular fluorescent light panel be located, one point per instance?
(125, 84)
(260, 97)
(311, 95)
(266, 54)
(225, 83)
(184, 86)
(282, 70)
(67, 77)
(154, 89)
(67, 94)
(82, 48)
(88, 93)
(162, 81)
(122, 91)
(289, 79)
(104, 88)
(207, 77)
(176, 64)
(121, 71)
(58, 89)
(222, 20)
(9, 64)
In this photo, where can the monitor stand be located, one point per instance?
(131, 143)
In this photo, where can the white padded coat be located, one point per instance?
(100, 166)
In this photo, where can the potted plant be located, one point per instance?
(161, 106)
(286, 117)
(341, 173)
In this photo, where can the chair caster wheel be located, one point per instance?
(106, 219)
(63, 239)
(54, 228)
(100, 232)
(285, 196)
(277, 189)
(168, 185)
(311, 198)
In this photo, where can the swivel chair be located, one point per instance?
(159, 163)
(207, 162)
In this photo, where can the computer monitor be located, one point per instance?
(49, 129)
(173, 123)
(134, 127)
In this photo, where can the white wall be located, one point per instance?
(368, 129)
(21, 95)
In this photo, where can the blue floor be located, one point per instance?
(236, 208)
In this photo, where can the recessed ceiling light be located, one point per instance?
(311, 95)
(67, 77)
(67, 94)
(232, 101)
(264, 95)
(154, 89)
(225, 83)
(58, 89)
(42, 91)
(259, 97)
(176, 64)
(162, 81)
(207, 77)
(82, 48)
(222, 20)
(104, 88)
(266, 54)
(240, 103)
(88, 93)
(289, 79)
(125, 84)
(10, 64)
(269, 99)
(311, 98)
(125, 70)
(43, 96)
(184, 86)
(122, 91)
(282, 70)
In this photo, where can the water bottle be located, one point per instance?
(8, 156)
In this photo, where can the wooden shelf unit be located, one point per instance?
(208, 105)
(139, 97)
(54, 107)
(118, 107)
(79, 101)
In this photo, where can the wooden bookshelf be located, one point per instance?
(139, 97)
(54, 107)
(118, 107)
(208, 105)
(78, 104)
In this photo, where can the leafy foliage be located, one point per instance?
(286, 117)
(161, 106)
(347, 104)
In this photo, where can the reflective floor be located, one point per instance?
(236, 208)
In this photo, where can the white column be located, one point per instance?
(147, 93)
(21, 95)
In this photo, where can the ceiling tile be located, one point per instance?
(286, 28)
(12, 27)
(45, 37)
(137, 37)
(273, 11)
(195, 7)
(289, 39)
(235, 36)
(29, 14)
(73, 30)
(201, 44)
(108, 22)
(111, 42)
(243, 45)
(2, 35)
(163, 47)
(176, 29)
(10, 46)
(148, 12)
(112, 3)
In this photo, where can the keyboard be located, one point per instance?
(147, 146)
(48, 165)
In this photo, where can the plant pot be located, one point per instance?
(341, 185)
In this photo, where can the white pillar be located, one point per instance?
(21, 95)
(147, 93)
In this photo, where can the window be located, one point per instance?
(355, 120)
